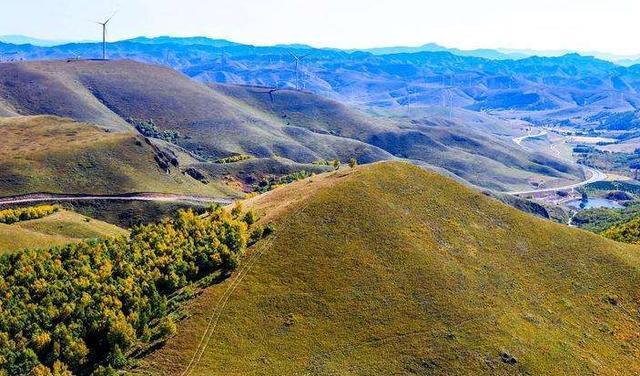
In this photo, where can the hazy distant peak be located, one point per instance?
(185, 41)
(21, 39)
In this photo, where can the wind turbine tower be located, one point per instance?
(104, 36)
(298, 60)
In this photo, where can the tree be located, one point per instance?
(250, 217)
(237, 210)
(167, 327)
(353, 162)
(121, 334)
(117, 358)
(336, 164)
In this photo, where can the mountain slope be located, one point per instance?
(388, 269)
(55, 155)
(108, 93)
(476, 149)
(216, 121)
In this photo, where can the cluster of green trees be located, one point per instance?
(336, 163)
(148, 128)
(10, 216)
(628, 232)
(270, 183)
(233, 159)
(82, 307)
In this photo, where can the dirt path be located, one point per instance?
(518, 140)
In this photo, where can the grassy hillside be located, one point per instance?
(216, 121)
(55, 155)
(388, 269)
(108, 93)
(57, 229)
(476, 149)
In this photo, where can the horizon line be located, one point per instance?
(530, 52)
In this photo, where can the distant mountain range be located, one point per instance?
(487, 53)
(570, 89)
(21, 39)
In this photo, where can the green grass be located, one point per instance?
(54, 155)
(388, 269)
(60, 228)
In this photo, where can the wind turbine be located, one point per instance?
(298, 60)
(104, 36)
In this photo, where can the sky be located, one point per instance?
(578, 25)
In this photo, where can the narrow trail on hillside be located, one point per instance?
(144, 196)
(214, 318)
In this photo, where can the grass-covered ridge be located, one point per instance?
(88, 304)
(60, 228)
(388, 269)
(56, 155)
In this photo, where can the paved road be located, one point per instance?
(595, 176)
(40, 197)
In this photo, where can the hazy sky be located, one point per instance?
(585, 25)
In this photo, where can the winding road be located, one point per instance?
(594, 174)
(518, 140)
(163, 197)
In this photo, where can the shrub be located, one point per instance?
(148, 128)
(167, 327)
(9, 216)
(250, 217)
(353, 162)
(256, 235)
(233, 159)
(269, 184)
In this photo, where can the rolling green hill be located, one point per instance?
(56, 155)
(388, 269)
(59, 228)
(217, 121)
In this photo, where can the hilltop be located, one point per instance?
(388, 269)
(60, 228)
